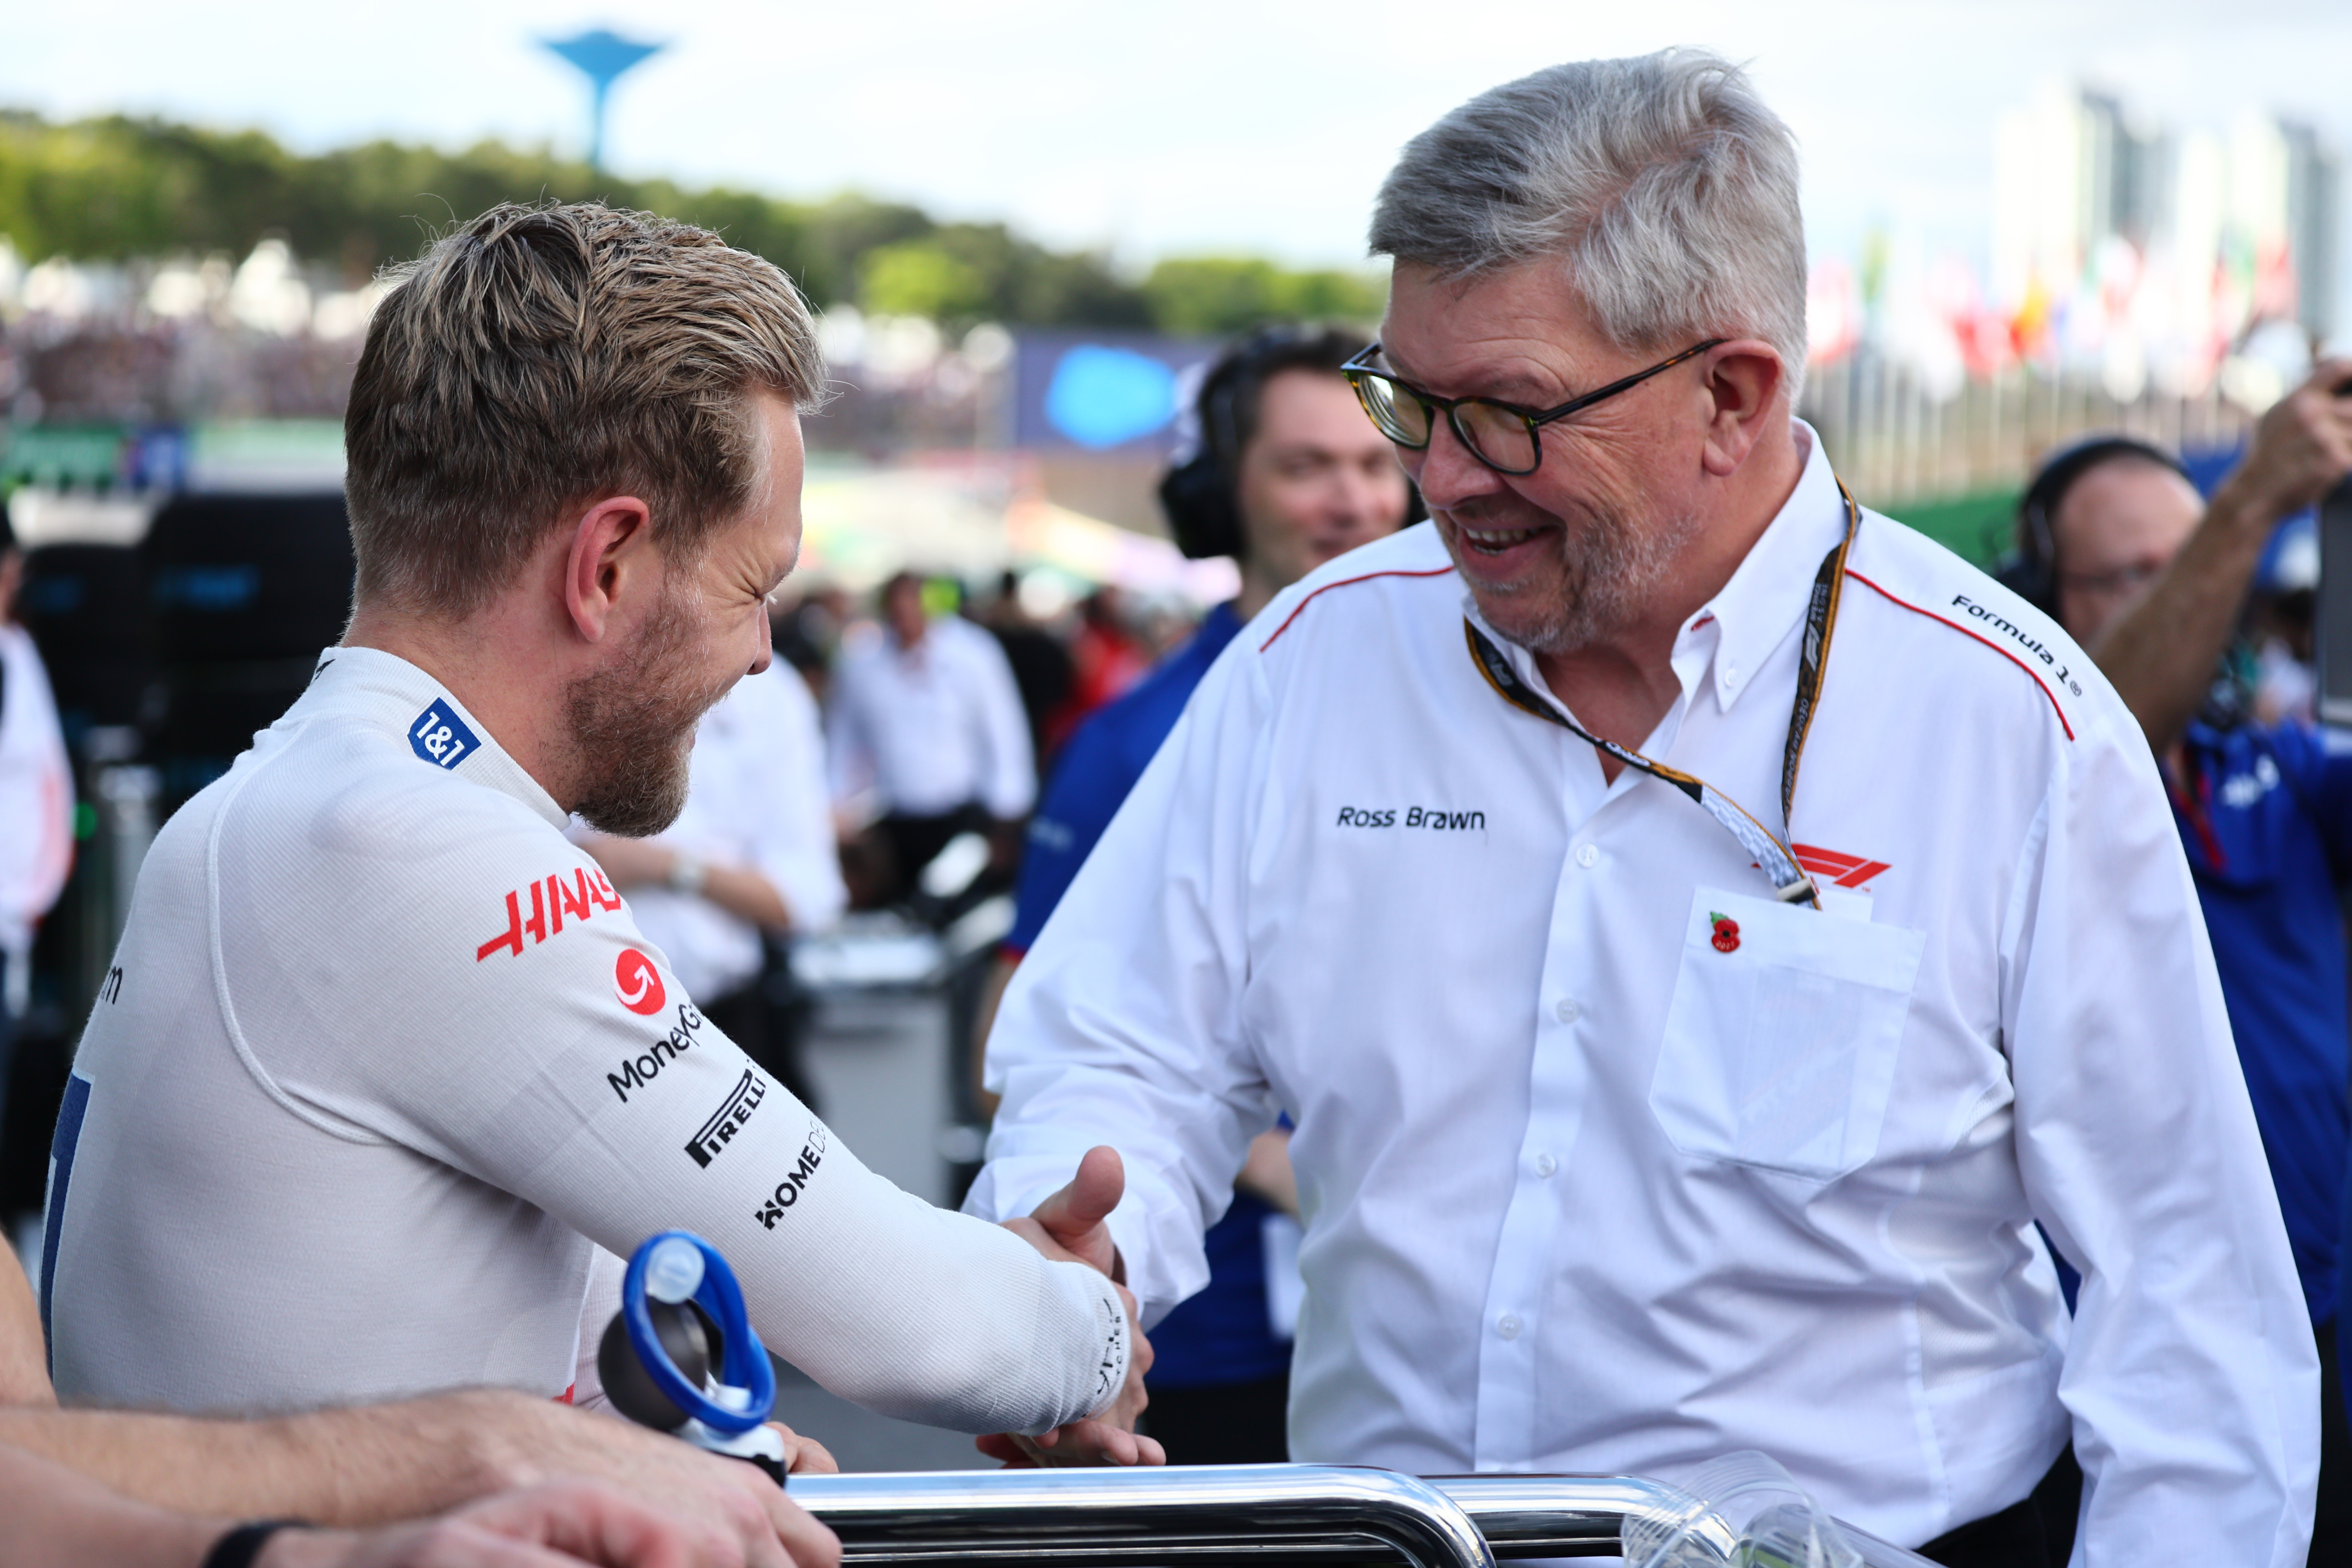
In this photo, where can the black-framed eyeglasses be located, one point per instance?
(1503, 435)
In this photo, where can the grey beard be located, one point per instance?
(1612, 570)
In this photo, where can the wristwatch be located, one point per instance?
(687, 874)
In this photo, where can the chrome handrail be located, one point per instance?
(1576, 1516)
(1261, 1514)
(1198, 1515)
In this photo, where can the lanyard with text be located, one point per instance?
(1789, 883)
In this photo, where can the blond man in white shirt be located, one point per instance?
(1698, 926)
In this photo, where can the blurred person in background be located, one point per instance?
(750, 860)
(1107, 657)
(1289, 475)
(928, 739)
(2154, 580)
(1041, 663)
(36, 802)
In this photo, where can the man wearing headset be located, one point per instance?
(1286, 475)
(2116, 542)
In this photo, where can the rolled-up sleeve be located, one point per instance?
(1124, 1024)
(2190, 1374)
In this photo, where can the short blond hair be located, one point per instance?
(541, 358)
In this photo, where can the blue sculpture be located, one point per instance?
(601, 55)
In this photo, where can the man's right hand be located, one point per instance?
(1071, 1227)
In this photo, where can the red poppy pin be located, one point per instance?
(1727, 933)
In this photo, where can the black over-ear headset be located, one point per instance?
(2033, 571)
(1200, 494)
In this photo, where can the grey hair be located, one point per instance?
(1662, 184)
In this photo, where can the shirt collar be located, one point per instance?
(1767, 594)
(388, 692)
(1731, 636)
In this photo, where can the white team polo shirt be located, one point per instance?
(1591, 1182)
(382, 1053)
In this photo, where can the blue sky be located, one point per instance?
(1217, 125)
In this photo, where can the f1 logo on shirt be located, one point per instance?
(640, 987)
(440, 737)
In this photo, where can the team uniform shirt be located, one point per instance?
(383, 1054)
(2265, 814)
(933, 728)
(757, 800)
(1610, 1160)
(1223, 1333)
(36, 799)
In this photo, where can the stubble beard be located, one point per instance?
(630, 728)
(1608, 571)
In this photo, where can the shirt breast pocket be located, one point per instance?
(1780, 1041)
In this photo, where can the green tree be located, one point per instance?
(916, 277)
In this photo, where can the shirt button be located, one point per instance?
(1508, 1325)
(1546, 1164)
(1567, 1011)
(1588, 857)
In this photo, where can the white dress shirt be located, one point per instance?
(36, 795)
(933, 728)
(1585, 1189)
(758, 800)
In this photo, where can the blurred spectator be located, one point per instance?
(806, 635)
(1106, 658)
(1297, 477)
(1040, 665)
(750, 857)
(2154, 580)
(928, 739)
(35, 802)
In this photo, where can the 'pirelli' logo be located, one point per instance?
(728, 1118)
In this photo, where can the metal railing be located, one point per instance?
(1197, 1515)
(1211, 1516)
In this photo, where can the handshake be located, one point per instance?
(1069, 1228)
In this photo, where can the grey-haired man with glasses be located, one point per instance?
(1699, 927)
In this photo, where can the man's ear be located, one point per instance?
(611, 544)
(1743, 378)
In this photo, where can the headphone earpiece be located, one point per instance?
(1202, 513)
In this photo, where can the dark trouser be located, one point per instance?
(915, 841)
(2036, 1532)
(2331, 1528)
(769, 1036)
(1223, 1423)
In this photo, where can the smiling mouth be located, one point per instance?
(1494, 541)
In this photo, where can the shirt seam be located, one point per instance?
(218, 958)
(1964, 631)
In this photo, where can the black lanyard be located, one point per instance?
(1789, 883)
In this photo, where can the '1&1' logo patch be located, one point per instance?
(440, 737)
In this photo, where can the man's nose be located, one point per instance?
(1447, 474)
